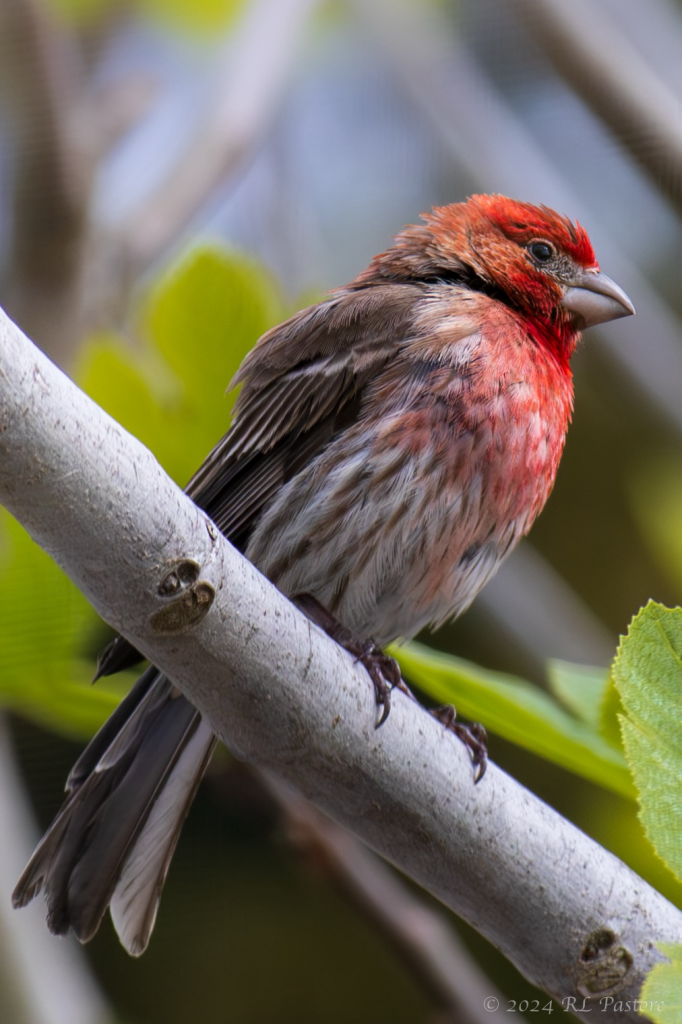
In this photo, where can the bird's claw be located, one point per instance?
(474, 737)
(382, 669)
(384, 672)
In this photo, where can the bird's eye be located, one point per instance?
(542, 252)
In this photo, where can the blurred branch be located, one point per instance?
(428, 947)
(603, 67)
(656, 28)
(255, 64)
(41, 981)
(67, 274)
(283, 696)
(52, 175)
(118, 107)
(255, 67)
(543, 613)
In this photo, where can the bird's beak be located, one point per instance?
(595, 298)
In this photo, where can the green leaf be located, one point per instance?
(200, 16)
(196, 15)
(661, 994)
(140, 392)
(648, 674)
(519, 712)
(45, 621)
(199, 321)
(580, 688)
(205, 314)
(609, 715)
(202, 317)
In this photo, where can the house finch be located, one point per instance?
(389, 447)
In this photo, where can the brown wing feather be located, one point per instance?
(304, 371)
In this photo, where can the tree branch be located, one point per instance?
(254, 68)
(603, 67)
(430, 950)
(574, 919)
(53, 173)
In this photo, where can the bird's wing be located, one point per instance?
(301, 384)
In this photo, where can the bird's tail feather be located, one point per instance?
(113, 839)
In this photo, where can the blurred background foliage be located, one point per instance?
(184, 15)
(176, 177)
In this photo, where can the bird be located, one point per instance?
(389, 447)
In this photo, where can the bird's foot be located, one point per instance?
(382, 669)
(474, 737)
